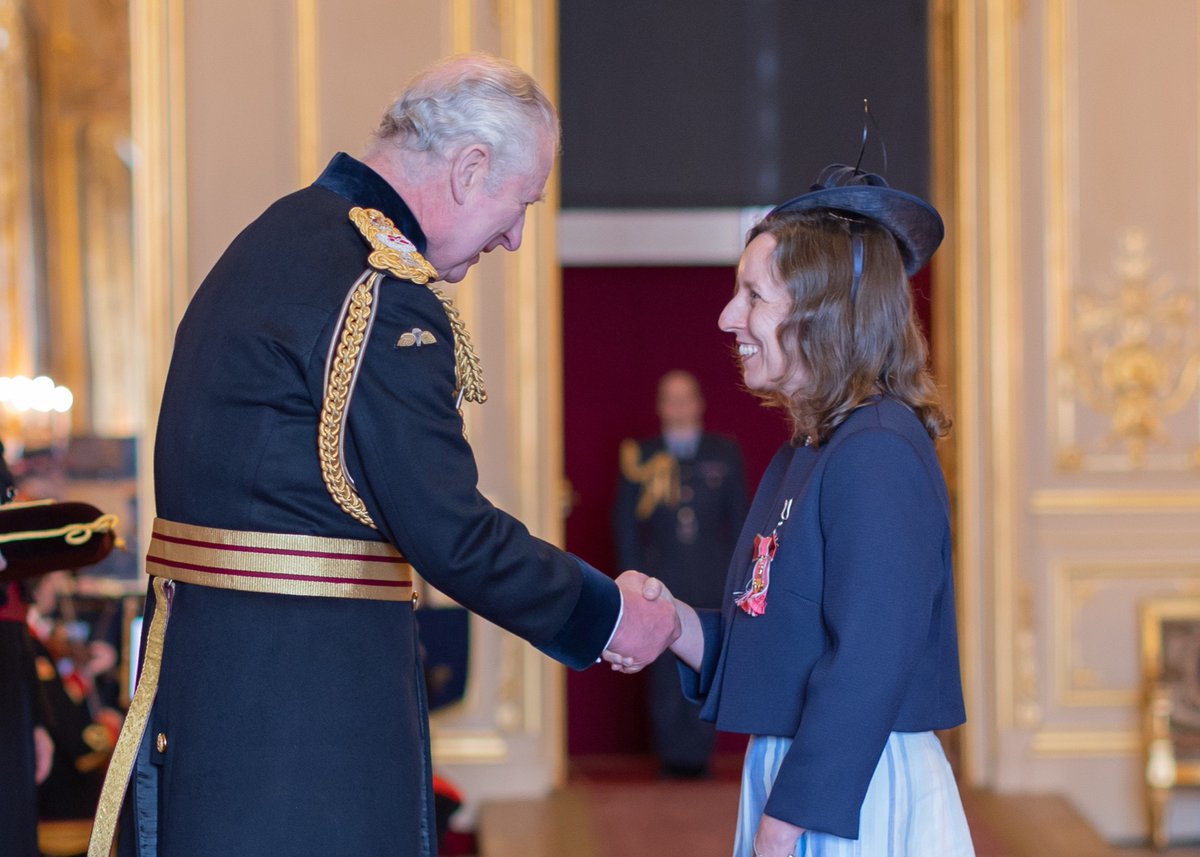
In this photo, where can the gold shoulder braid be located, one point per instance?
(391, 253)
(341, 370)
(658, 475)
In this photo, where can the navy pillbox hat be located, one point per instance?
(841, 189)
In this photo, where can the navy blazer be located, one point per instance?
(859, 638)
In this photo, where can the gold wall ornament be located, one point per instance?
(1134, 354)
(658, 475)
(1027, 704)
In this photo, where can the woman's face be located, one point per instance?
(759, 305)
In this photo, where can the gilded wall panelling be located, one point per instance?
(1133, 356)
(1095, 627)
(1125, 350)
(18, 270)
(308, 103)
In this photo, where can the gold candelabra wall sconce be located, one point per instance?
(1134, 357)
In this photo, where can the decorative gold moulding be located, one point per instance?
(469, 748)
(1086, 742)
(1067, 502)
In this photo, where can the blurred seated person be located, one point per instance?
(75, 666)
(26, 748)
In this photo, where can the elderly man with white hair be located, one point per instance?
(310, 454)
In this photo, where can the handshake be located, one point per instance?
(651, 621)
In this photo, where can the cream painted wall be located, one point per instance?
(260, 95)
(1075, 219)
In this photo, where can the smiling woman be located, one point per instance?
(844, 561)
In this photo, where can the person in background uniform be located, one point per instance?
(26, 750)
(680, 504)
(310, 454)
(836, 648)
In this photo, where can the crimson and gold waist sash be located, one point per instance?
(271, 563)
(277, 563)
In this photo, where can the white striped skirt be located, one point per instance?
(912, 807)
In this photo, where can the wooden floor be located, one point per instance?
(601, 814)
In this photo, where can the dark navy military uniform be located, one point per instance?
(296, 725)
(686, 544)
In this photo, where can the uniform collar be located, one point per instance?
(361, 185)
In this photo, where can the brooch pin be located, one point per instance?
(415, 337)
(754, 599)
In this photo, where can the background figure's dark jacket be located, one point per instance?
(859, 637)
(712, 485)
(687, 546)
(296, 725)
(6, 477)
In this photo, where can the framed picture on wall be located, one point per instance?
(1171, 679)
(1171, 660)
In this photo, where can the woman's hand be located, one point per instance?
(776, 838)
(689, 648)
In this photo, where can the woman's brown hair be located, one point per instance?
(852, 345)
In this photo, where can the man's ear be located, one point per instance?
(468, 170)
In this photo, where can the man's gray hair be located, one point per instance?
(473, 98)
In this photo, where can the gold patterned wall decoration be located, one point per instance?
(1027, 707)
(1095, 626)
(1134, 359)
(1122, 274)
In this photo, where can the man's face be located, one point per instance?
(489, 218)
(680, 405)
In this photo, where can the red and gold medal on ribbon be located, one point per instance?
(754, 599)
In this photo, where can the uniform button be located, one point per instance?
(160, 742)
(416, 596)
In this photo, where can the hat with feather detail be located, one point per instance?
(915, 224)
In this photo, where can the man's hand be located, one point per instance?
(649, 623)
